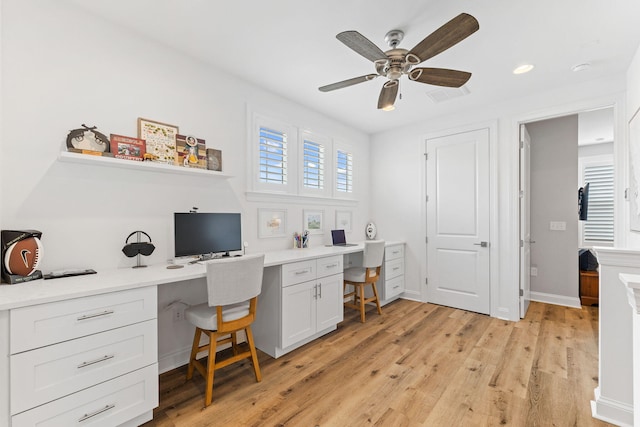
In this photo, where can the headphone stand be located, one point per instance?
(138, 264)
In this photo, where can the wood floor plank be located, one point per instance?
(415, 365)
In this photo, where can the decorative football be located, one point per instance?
(22, 257)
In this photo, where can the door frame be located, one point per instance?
(494, 234)
(511, 257)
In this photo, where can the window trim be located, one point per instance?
(341, 146)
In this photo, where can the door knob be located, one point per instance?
(482, 244)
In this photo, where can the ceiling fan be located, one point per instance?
(395, 62)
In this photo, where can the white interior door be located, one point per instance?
(525, 220)
(458, 219)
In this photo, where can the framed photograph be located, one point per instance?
(191, 152)
(343, 220)
(126, 147)
(313, 221)
(272, 222)
(214, 159)
(160, 139)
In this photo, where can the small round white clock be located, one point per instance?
(371, 231)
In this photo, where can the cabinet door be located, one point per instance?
(330, 306)
(298, 312)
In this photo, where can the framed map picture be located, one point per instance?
(313, 221)
(160, 139)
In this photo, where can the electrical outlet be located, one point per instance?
(534, 271)
(178, 314)
(558, 225)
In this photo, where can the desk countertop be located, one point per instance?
(44, 291)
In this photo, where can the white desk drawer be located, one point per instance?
(48, 373)
(394, 286)
(44, 324)
(393, 252)
(329, 266)
(393, 268)
(298, 272)
(105, 405)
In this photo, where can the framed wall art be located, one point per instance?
(343, 220)
(160, 139)
(272, 222)
(313, 221)
(126, 147)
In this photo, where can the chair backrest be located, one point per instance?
(373, 253)
(234, 280)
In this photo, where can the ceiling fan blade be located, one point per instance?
(346, 83)
(451, 33)
(440, 76)
(388, 95)
(362, 45)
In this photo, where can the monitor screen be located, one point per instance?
(206, 233)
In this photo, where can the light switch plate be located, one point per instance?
(558, 225)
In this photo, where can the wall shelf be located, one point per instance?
(88, 159)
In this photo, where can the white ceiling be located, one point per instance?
(289, 47)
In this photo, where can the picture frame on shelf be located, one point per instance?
(343, 220)
(160, 139)
(313, 221)
(214, 159)
(191, 152)
(272, 223)
(127, 147)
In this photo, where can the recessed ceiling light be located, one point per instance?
(523, 69)
(581, 67)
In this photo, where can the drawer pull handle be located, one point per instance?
(93, 362)
(396, 286)
(395, 252)
(302, 272)
(91, 316)
(396, 268)
(331, 266)
(85, 417)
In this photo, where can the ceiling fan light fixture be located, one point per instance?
(388, 107)
(522, 69)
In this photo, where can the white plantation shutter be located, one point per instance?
(344, 171)
(599, 225)
(313, 169)
(273, 156)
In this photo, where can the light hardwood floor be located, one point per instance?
(416, 365)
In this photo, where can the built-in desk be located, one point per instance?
(44, 323)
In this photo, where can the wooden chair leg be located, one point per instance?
(361, 290)
(211, 368)
(194, 352)
(375, 293)
(234, 343)
(254, 354)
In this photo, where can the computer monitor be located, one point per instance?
(204, 234)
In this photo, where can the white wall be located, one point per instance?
(397, 203)
(554, 190)
(633, 104)
(62, 67)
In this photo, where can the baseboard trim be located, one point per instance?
(556, 299)
(611, 411)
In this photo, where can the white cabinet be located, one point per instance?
(299, 302)
(67, 358)
(392, 275)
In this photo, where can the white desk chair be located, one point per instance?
(233, 286)
(367, 274)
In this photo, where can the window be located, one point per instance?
(344, 171)
(273, 156)
(599, 226)
(313, 165)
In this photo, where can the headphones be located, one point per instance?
(133, 249)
